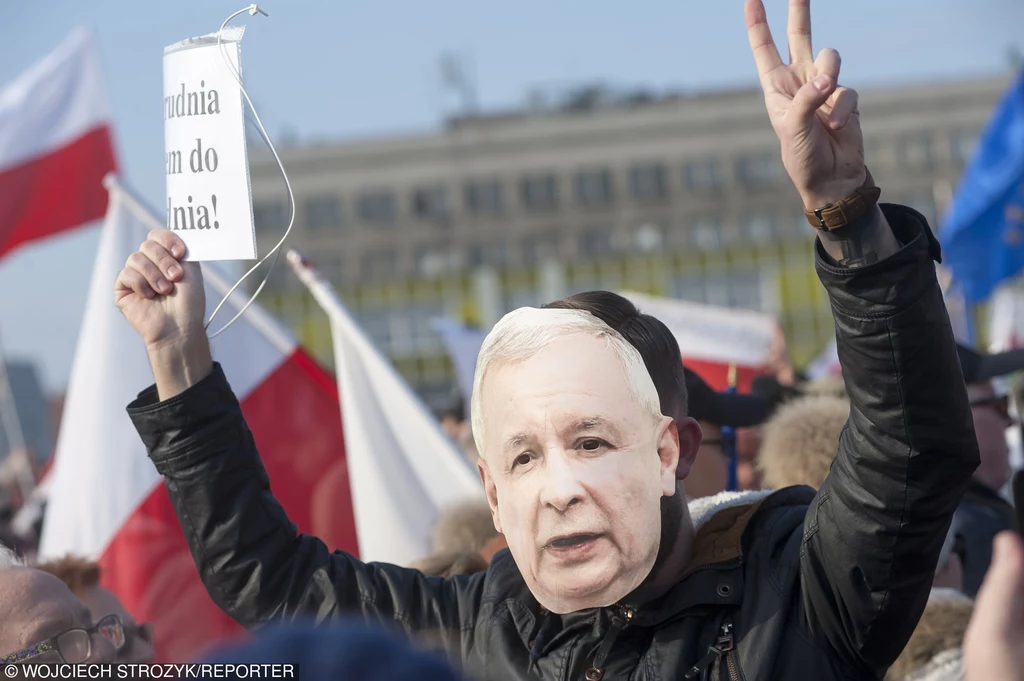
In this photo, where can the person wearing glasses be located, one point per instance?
(44, 623)
(984, 512)
(83, 578)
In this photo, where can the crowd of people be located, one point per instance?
(867, 534)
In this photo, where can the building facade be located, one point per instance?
(678, 196)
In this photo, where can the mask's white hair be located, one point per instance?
(9, 559)
(523, 333)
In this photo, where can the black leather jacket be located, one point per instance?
(795, 585)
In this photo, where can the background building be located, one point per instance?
(681, 196)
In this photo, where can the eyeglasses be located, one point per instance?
(132, 633)
(74, 645)
(1001, 403)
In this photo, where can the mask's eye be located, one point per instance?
(521, 460)
(591, 444)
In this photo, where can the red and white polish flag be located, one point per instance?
(55, 145)
(106, 499)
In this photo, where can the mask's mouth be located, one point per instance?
(571, 540)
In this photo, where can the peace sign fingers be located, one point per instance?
(766, 54)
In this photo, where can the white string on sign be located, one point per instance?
(253, 10)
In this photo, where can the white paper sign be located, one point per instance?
(209, 197)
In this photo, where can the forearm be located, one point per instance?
(180, 364)
(861, 243)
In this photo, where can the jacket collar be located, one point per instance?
(714, 575)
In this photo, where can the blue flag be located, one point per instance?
(983, 234)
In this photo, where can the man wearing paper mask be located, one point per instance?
(578, 463)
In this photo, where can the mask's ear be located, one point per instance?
(668, 453)
(689, 436)
(490, 491)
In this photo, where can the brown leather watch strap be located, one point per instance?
(843, 212)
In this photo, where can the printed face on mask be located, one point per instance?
(575, 468)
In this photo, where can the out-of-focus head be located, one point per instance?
(717, 411)
(933, 652)
(464, 527)
(576, 454)
(830, 386)
(43, 622)
(990, 409)
(949, 571)
(748, 447)
(83, 578)
(450, 564)
(351, 650)
(452, 419)
(991, 412)
(800, 440)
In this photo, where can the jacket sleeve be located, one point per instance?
(874, 531)
(253, 562)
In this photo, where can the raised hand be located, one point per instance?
(164, 300)
(994, 641)
(816, 120)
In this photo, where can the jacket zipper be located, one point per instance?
(730, 665)
(723, 645)
(596, 670)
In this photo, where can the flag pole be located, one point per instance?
(15, 435)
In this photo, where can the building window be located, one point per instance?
(759, 229)
(916, 151)
(435, 260)
(649, 237)
(377, 208)
(703, 175)
(962, 146)
(494, 254)
(323, 212)
(410, 330)
(421, 322)
(596, 242)
(734, 289)
(270, 217)
(648, 182)
(430, 204)
(594, 187)
(377, 325)
(380, 265)
(707, 233)
(760, 171)
(538, 247)
(331, 266)
(540, 192)
(484, 198)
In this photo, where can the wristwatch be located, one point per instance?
(848, 210)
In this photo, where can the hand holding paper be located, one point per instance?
(163, 298)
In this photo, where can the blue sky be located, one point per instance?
(322, 70)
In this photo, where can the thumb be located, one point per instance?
(811, 97)
(1000, 600)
